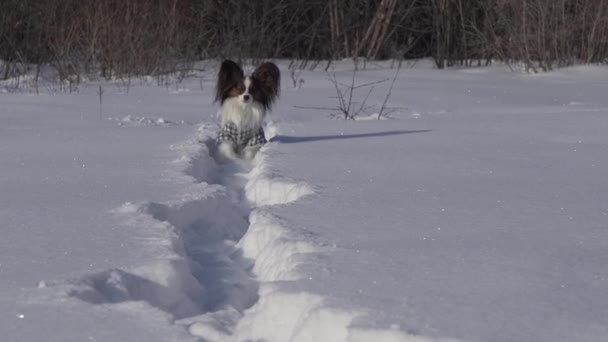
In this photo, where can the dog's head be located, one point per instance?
(263, 86)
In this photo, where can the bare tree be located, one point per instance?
(122, 39)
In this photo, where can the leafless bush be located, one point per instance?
(382, 111)
(348, 107)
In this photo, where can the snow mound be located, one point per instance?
(263, 188)
(134, 120)
(200, 269)
(167, 289)
(278, 248)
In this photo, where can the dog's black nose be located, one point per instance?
(246, 97)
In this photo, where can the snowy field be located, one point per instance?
(476, 211)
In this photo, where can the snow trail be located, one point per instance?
(228, 267)
(206, 276)
(203, 269)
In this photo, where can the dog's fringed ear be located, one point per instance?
(270, 77)
(230, 73)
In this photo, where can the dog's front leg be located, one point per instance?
(225, 152)
(250, 152)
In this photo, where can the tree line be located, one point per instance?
(116, 37)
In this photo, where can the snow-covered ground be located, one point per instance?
(477, 211)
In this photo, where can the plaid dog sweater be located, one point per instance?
(241, 138)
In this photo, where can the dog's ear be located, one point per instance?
(270, 77)
(230, 73)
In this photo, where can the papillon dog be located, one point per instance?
(244, 102)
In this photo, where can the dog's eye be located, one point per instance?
(237, 89)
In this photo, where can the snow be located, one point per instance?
(477, 210)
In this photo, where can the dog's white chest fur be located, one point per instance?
(246, 116)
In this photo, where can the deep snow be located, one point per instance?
(478, 211)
